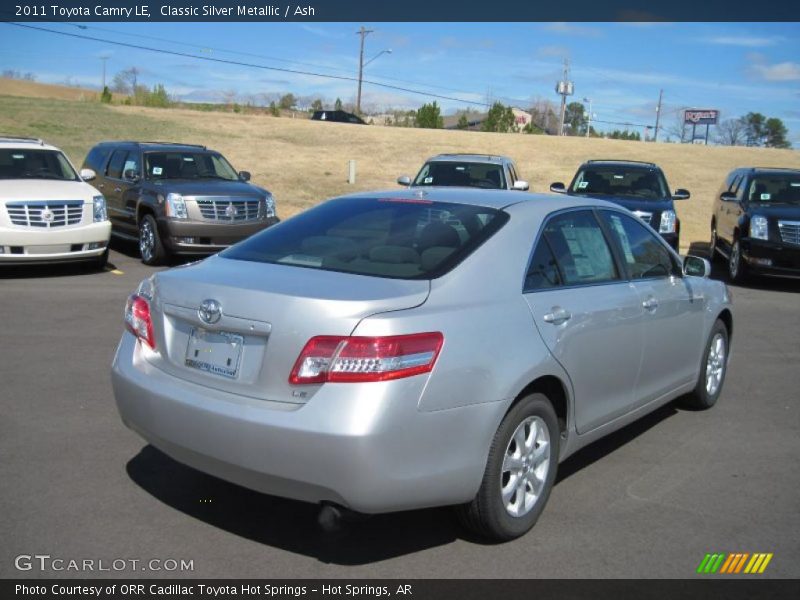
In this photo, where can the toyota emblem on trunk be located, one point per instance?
(210, 311)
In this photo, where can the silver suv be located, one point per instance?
(468, 170)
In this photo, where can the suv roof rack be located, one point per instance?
(481, 154)
(16, 138)
(622, 160)
(773, 169)
(157, 143)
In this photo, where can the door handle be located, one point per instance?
(650, 304)
(557, 316)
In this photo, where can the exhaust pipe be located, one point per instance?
(333, 518)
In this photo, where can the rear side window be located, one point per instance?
(96, 159)
(645, 256)
(116, 163)
(383, 237)
(580, 249)
(543, 272)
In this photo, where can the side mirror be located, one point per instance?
(522, 186)
(244, 175)
(681, 194)
(727, 197)
(130, 175)
(558, 188)
(87, 174)
(694, 266)
(404, 180)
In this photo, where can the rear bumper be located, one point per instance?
(207, 237)
(774, 259)
(364, 446)
(33, 245)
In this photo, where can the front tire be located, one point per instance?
(151, 248)
(712, 245)
(712, 373)
(737, 269)
(101, 261)
(520, 472)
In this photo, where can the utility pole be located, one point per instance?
(363, 32)
(104, 58)
(589, 118)
(658, 114)
(564, 88)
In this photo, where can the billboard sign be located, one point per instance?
(701, 116)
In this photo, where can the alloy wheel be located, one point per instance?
(147, 240)
(525, 466)
(715, 364)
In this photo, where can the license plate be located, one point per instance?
(216, 352)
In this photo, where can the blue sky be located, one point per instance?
(735, 67)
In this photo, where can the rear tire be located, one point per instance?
(712, 371)
(150, 247)
(520, 472)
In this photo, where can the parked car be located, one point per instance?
(177, 198)
(641, 187)
(49, 214)
(468, 170)
(337, 116)
(755, 223)
(389, 351)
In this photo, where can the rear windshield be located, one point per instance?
(778, 189)
(618, 181)
(463, 174)
(35, 164)
(188, 165)
(383, 237)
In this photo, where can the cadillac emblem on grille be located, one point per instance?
(48, 216)
(210, 311)
(231, 211)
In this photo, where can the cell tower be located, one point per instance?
(564, 88)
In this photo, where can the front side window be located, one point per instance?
(35, 164)
(462, 174)
(643, 253)
(384, 237)
(639, 183)
(580, 249)
(114, 170)
(188, 165)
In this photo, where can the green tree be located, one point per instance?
(755, 124)
(287, 101)
(105, 97)
(499, 118)
(274, 110)
(775, 134)
(463, 121)
(429, 117)
(575, 119)
(316, 105)
(338, 104)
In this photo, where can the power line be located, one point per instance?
(250, 65)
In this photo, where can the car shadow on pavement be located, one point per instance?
(292, 526)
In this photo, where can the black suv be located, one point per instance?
(177, 198)
(756, 222)
(638, 186)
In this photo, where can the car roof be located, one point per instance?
(11, 141)
(773, 170)
(480, 158)
(157, 145)
(497, 199)
(613, 162)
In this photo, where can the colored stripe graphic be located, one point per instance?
(734, 563)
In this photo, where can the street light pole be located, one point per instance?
(363, 32)
(589, 118)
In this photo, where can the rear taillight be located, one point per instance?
(138, 320)
(328, 358)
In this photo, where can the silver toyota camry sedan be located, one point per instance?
(405, 349)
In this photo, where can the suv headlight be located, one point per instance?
(100, 212)
(269, 207)
(667, 224)
(759, 228)
(176, 207)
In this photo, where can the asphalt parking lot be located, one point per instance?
(648, 501)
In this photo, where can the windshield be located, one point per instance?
(777, 189)
(35, 164)
(619, 181)
(188, 165)
(463, 174)
(383, 237)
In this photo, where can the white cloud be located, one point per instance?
(572, 29)
(743, 41)
(785, 71)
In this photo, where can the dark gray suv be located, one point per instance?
(177, 198)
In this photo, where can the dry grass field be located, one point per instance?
(303, 162)
(32, 89)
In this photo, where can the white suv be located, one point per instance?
(47, 212)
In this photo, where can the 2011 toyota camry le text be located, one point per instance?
(405, 349)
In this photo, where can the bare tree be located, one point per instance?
(732, 132)
(126, 82)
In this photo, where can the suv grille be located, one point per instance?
(228, 209)
(644, 216)
(790, 231)
(45, 213)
